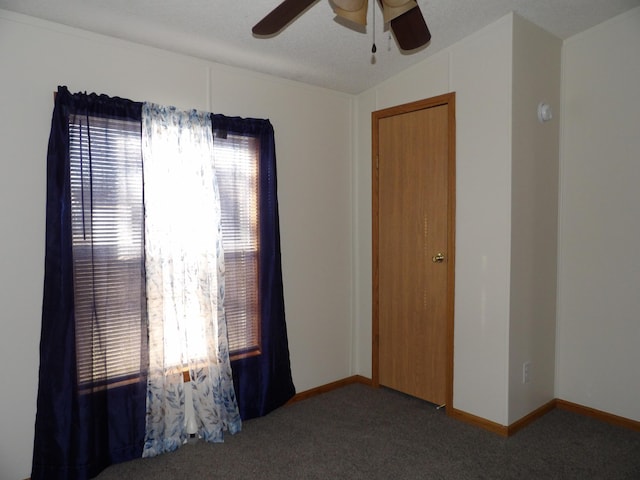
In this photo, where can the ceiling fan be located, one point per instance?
(405, 18)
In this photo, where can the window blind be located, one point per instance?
(237, 172)
(108, 248)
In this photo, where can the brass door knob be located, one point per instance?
(439, 258)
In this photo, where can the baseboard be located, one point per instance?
(598, 414)
(531, 417)
(478, 421)
(328, 387)
(507, 431)
(502, 430)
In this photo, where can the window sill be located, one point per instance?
(238, 356)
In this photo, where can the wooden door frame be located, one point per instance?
(448, 100)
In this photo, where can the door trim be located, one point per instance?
(447, 99)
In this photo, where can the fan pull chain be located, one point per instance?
(373, 47)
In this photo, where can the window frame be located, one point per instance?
(255, 349)
(254, 154)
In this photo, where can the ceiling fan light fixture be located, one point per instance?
(352, 10)
(394, 8)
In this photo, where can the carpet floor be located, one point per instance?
(359, 432)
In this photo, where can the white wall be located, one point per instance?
(534, 217)
(481, 78)
(313, 147)
(313, 143)
(598, 354)
(478, 69)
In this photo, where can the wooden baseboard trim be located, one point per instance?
(531, 417)
(478, 421)
(502, 430)
(598, 414)
(328, 387)
(507, 431)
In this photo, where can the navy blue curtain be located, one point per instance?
(77, 434)
(263, 382)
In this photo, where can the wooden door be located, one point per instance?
(413, 219)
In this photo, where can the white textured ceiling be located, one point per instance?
(314, 48)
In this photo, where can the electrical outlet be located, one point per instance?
(526, 372)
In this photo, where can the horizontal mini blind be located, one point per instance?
(108, 248)
(236, 160)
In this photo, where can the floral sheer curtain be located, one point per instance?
(185, 280)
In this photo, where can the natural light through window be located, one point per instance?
(236, 162)
(109, 251)
(106, 217)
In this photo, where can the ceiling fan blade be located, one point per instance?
(410, 29)
(280, 16)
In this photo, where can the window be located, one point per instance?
(108, 245)
(236, 162)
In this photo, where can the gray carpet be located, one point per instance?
(358, 432)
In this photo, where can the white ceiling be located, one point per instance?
(314, 48)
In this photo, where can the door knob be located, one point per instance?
(439, 258)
